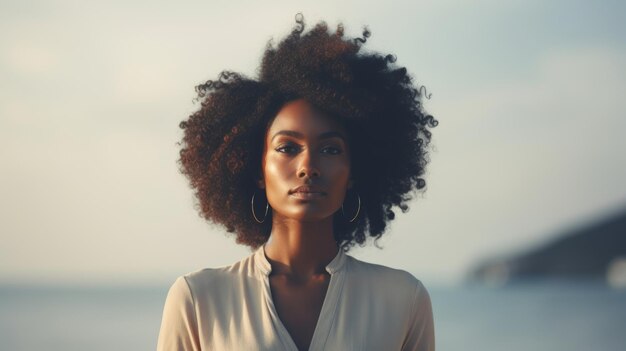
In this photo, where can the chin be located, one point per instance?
(310, 215)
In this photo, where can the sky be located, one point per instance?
(530, 141)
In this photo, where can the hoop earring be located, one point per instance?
(357, 211)
(254, 214)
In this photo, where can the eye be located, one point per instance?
(287, 149)
(331, 150)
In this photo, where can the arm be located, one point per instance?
(179, 327)
(421, 333)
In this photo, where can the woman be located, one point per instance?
(302, 164)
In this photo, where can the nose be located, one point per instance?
(307, 166)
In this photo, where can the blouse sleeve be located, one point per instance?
(421, 334)
(179, 327)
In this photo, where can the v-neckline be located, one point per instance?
(329, 306)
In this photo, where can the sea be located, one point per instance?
(536, 316)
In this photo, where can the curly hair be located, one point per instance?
(376, 101)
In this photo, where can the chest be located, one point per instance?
(355, 315)
(298, 305)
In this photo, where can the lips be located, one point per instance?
(307, 189)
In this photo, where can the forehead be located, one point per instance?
(301, 116)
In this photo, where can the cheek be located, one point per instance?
(340, 172)
(275, 170)
(342, 165)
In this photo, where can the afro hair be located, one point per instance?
(376, 101)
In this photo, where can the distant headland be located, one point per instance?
(593, 252)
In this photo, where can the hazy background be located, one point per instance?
(529, 95)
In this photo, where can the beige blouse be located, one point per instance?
(367, 307)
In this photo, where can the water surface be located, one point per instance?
(533, 316)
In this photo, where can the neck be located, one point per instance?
(300, 249)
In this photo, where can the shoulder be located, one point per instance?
(198, 298)
(218, 280)
(396, 295)
(391, 286)
(383, 275)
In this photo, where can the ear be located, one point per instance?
(261, 183)
(350, 183)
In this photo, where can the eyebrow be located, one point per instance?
(298, 135)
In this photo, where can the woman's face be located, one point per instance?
(305, 148)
